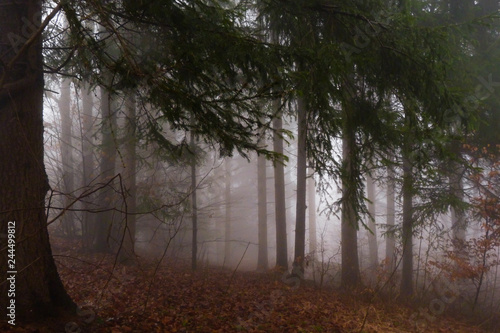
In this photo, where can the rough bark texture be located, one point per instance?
(279, 193)
(300, 223)
(38, 288)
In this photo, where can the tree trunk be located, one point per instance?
(194, 238)
(127, 251)
(407, 270)
(108, 155)
(68, 219)
(350, 275)
(88, 222)
(372, 233)
(262, 261)
(311, 194)
(390, 243)
(458, 222)
(38, 288)
(279, 194)
(300, 224)
(227, 230)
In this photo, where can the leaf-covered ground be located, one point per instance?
(171, 298)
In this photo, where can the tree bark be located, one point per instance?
(390, 243)
(107, 168)
(458, 222)
(194, 208)
(350, 275)
(407, 270)
(279, 193)
(262, 261)
(68, 219)
(38, 288)
(126, 254)
(227, 230)
(300, 224)
(311, 205)
(88, 222)
(372, 233)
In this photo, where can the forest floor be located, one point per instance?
(171, 298)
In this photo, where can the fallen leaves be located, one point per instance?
(174, 299)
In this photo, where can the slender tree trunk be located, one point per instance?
(372, 233)
(194, 208)
(88, 222)
(68, 219)
(458, 222)
(38, 288)
(127, 251)
(300, 224)
(108, 155)
(262, 261)
(311, 198)
(228, 222)
(390, 243)
(219, 216)
(279, 193)
(407, 270)
(350, 275)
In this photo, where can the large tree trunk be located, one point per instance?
(262, 261)
(279, 194)
(68, 219)
(300, 224)
(38, 288)
(350, 275)
(126, 254)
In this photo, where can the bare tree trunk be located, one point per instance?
(372, 233)
(300, 224)
(68, 219)
(194, 238)
(311, 194)
(38, 289)
(407, 270)
(108, 156)
(227, 233)
(88, 221)
(350, 275)
(390, 243)
(127, 252)
(279, 193)
(262, 261)
(458, 222)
